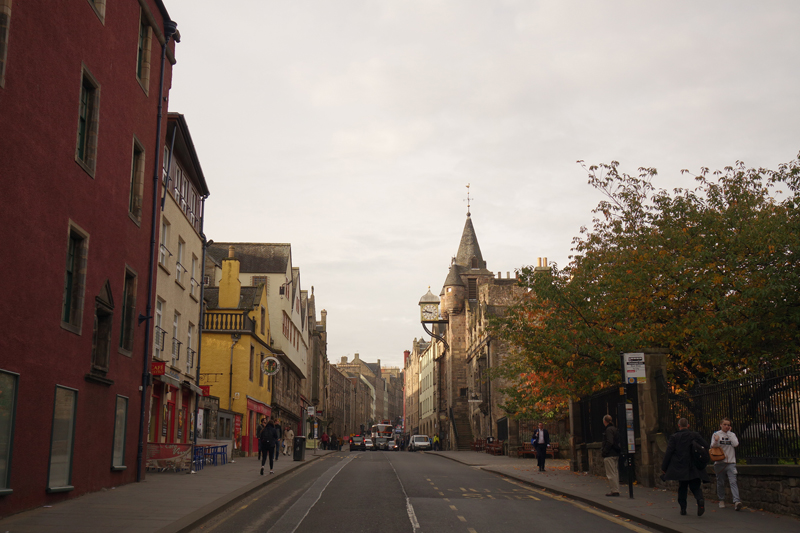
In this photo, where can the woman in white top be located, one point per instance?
(726, 439)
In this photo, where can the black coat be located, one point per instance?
(678, 463)
(269, 436)
(610, 438)
(535, 438)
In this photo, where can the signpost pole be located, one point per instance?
(633, 372)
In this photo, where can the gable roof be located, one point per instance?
(255, 257)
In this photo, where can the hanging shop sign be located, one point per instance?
(270, 365)
(158, 368)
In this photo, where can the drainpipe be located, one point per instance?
(235, 337)
(489, 366)
(169, 30)
(206, 244)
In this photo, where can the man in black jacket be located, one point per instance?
(269, 438)
(679, 466)
(610, 452)
(540, 440)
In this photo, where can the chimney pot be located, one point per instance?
(230, 251)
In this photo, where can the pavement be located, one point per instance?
(652, 507)
(178, 502)
(166, 502)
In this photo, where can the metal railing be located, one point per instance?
(595, 407)
(158, 338)
(176, 351)
(190, 355)
(763, 407)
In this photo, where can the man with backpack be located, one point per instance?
(685, 461)
(610, 452)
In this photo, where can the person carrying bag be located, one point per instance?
(723, 453)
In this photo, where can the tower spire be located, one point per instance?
(468, 214)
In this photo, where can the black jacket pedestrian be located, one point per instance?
(535, 438)
(678, 463)
(610, 440)
(269, 436)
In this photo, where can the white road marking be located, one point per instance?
(295, 515)
(412, 516)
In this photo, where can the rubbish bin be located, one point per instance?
(299, 446)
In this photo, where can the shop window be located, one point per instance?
(8, 406)
(120, 432)
(59, 476)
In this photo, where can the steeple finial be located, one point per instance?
(468, 214)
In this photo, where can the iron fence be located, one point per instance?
(764, 409)
(593, 408)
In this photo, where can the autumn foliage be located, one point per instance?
(712, 274)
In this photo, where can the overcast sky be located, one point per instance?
(351, 128)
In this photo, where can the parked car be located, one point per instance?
(357, 443)
(368, 445)
(419, 442)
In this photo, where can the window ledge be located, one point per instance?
(94, 378)
(89, 170)
(72, 328)
(68, 488)
(125, 352)
(180, 284)
(6, 492)
(118, 468)
(143, 84)
(136, 219)
(164, 268)
(194, 297)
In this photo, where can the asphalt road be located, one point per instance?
(392, 492)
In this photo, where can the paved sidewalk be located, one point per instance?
(163, 502)
(652, 507)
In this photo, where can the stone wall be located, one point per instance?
(774, 488)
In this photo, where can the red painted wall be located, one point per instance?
(43, 188)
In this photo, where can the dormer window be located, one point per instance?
(474, 262)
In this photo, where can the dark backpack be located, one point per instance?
(700, 456)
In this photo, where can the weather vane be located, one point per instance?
(468, 199)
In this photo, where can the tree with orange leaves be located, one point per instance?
(712, 274)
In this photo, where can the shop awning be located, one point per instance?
(169, 380)
(193, 387)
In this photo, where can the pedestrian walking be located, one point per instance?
(726, 440)
(610, 452)
(679, 465)
(269, 438)
(324, 441)
(436, 443)
(332, 442)
(539, 441)
(259, 429)
(288, 440)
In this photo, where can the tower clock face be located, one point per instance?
(430, 312)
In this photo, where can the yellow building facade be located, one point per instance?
(236, 342)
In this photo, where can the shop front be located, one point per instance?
(256, 410)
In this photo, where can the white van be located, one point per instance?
(420, 442)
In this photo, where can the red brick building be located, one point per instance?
(80, 150)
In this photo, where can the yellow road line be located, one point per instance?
(453, 507)
(587, 508)
(461, 518)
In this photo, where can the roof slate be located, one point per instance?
(255, 257)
